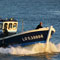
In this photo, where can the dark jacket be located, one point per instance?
(39, 26)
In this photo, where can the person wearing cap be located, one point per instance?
(39, 26)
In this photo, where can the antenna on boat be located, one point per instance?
(22, 25)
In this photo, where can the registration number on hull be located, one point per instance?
(32, 37)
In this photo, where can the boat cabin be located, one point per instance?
(8, 26)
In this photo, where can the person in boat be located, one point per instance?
(39, 26)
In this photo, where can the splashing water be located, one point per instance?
(58, 47)
(32, 49)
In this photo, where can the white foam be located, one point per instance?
(5, 50)
(58, 47)
(32, 49)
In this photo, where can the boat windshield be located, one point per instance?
(1, 25)
(10, 25)
(14, 25)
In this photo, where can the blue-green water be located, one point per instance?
(32, 12)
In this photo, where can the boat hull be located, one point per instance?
(26, 38)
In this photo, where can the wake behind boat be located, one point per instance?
(8, 35)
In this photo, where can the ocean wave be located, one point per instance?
(31, 49)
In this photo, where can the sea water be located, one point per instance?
(32, 49)
(32, 12)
